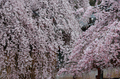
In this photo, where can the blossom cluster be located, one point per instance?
(99, 45)
(31, 32)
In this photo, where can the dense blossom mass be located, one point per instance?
(38, 37)
(34, 36)
(99, 45)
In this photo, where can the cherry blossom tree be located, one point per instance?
(31, 34)
(99, 45)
